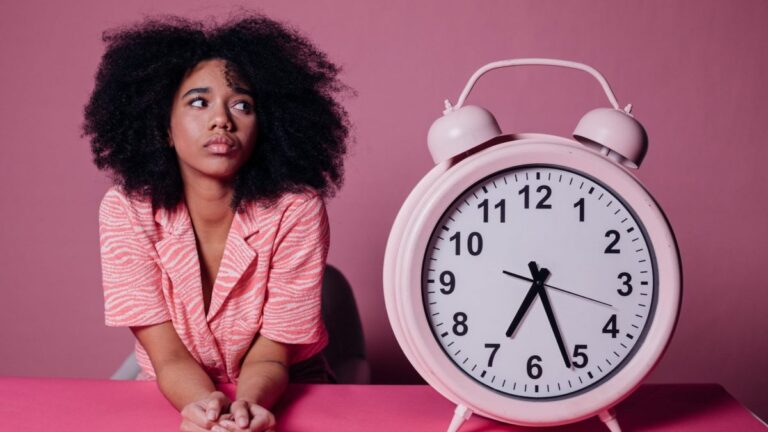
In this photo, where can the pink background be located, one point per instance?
(694, 70)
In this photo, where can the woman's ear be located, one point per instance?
(170, 137)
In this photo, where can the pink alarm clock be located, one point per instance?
(531, 278)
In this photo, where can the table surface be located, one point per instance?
(45, 404)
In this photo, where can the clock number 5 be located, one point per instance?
(582, 355)
(474, 243)
(542, 204)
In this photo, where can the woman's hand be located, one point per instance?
(246, 416)
(203, 414)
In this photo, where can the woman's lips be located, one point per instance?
(220, 145)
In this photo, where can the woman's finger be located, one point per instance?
(189, 426)
(213, 408)
(262, 419)
(195, 414)
(239, 411)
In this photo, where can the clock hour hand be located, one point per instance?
(538, 279)
(555, 328)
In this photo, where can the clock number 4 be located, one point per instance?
(610, 327)
(542, 204)
(500, 206)
(474, 243)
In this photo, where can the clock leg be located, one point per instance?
(609, 418)
(460, 415)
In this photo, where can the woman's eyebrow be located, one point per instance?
(197, 90)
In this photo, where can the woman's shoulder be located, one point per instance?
(118, 205)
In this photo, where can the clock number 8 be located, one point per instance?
(460, 327)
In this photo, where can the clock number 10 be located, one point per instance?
(474, 243)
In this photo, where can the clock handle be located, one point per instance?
(609, 418)
(530, 62)
(460, 415)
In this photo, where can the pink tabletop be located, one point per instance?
(43, 404)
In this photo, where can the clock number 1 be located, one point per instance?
(580, 205)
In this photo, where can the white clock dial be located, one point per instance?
(596, 287)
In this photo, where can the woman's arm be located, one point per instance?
(180, 378)
(263, 379)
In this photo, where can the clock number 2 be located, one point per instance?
(474, 243)
(542, 204)
(616, 236)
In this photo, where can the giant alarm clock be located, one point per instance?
(531, 278)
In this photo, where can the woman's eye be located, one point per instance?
(197, 103)
(243, 106)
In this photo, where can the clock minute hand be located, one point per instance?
(553, 324)
(538, 278)
(556, 288)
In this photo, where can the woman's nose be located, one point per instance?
(220, 117)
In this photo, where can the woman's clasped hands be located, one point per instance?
(216, 413)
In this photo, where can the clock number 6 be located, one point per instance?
(534, 369)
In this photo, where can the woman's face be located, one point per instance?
(213, 123)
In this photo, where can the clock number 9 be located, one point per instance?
(460, 327)
(626, 283)
(474, 243)
(447, 280)
(542, 204)
(534, 369)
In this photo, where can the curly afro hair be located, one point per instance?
(302, 127)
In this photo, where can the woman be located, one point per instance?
(222, 143)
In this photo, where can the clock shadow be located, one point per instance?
(652, 407)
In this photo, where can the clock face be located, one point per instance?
(539, 282)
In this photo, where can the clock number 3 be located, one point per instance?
(626, 279)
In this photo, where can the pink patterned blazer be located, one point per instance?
(269, 279)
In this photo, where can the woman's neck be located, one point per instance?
(208, 202)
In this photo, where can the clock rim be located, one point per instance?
(411, 233)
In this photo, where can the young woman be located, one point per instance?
(222, 143)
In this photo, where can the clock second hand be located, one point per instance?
(555, 288)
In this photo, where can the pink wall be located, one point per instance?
(695, 71)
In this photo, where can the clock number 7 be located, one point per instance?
(494, 348)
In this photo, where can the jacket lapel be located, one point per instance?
(237, 258)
